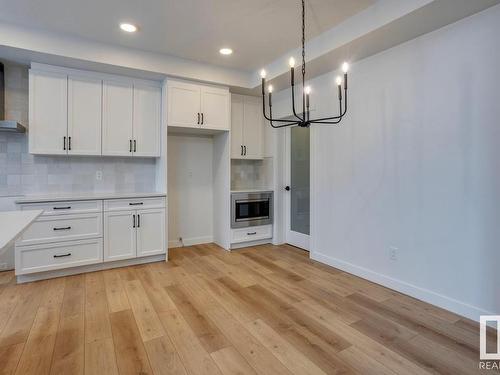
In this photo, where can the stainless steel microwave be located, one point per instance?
(251, 209)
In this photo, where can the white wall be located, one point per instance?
(190, 189)
(415, 166)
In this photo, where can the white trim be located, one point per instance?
(439, 300)
(241, 245)
(190, 241)
(89, 268)
(46, 68)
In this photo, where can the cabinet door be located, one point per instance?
(183, 105)
(215, 108)
(236, 126)
(84, 116)
(48, 93)
(119, 235)
(150, 232)
(252, 129)
(147, 120)
(117, 118)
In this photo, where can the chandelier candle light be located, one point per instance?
(303, 120)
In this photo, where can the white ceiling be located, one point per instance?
(259, 31)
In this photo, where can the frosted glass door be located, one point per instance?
(299, 180)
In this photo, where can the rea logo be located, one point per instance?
(484, 355)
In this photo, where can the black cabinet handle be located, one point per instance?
(62, 208)
(202, 118)
(251, 233)
(136, 204)
(69, 143)
(138, 221)
(64, 228)
(135, 145)
(287, 188)
(198, 118)
(241, 150)
(64, 143)
(133, 221)
(130, 145)
(62, 256)
(245, 150)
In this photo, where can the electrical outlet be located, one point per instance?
(393, 253)
(98, 175)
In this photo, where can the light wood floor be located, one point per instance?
(261, 310)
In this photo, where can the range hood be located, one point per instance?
(7, 125)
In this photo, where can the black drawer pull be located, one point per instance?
(63, 208)
(63, 228)
(251, 233)
(62, 256)
(136, 204)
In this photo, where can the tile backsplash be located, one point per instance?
(24, 174)
(251, 174)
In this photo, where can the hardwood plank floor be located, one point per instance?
(259, 310)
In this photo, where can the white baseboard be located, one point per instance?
(190, 241)
(439, 300)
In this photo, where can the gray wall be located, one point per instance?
(415, 166)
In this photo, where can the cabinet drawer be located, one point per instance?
(62, 228)
(39, 258)
(251, 233)
(64, 208)
(132, 204)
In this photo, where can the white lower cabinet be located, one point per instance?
(79, 233)
(119, 235)
(260, 232)
(134, 233)
(150, 232)
(55, 256)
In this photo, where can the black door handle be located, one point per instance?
(287, 188)
(62, 256)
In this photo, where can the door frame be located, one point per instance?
(297, 239)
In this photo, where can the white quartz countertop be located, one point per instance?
(85, 197)
(13, 223)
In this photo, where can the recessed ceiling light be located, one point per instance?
(128, 27)
(225, 51)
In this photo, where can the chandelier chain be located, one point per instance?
(303, 41)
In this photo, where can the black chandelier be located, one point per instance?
(303, 120)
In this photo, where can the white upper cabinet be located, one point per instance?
(48, 118)
(147, 120)
(197, 106)
(183, 105)
(86, 113)
(236, 126)
(117, 120)
(84, 116)
(214, 108)
(246, 127)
